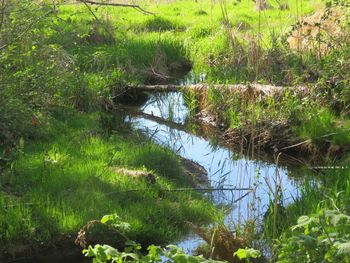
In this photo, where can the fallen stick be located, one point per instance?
(253, 89)
(307, 141)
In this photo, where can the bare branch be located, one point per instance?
(137, 7)
(98, 20)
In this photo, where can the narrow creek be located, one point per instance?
(164, 118)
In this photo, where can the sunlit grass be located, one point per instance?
(56, 186)
(183, 30)
(324, 125)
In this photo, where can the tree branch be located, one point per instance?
(98, 20)
(137, 7)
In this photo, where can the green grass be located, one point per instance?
(329, 190)
(58, 185)
(59, 182)
(325, 125)
(182, 30)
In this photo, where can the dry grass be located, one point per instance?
(318, 33)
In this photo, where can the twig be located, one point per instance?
(307, 141)
(295, 145)
(240, 198)
(97, 19)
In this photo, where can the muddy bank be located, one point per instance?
(248, 142)
(274, 138)
(61, 250)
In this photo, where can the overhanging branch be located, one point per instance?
(137, 7)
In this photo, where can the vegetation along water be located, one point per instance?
(174, 131)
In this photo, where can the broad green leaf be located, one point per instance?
(107, 218)
(247, 253)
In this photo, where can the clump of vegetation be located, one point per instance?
(320, 237)
(56, 186)
(323, 124)
(158, 24)
(221, 240)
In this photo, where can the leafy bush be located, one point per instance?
(105, 253)
(322, 237)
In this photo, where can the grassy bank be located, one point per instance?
(58, 184)
(61, 66)
(225, 41)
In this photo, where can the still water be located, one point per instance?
(164, 118)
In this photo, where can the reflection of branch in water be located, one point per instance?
(240, 198)
(159, 120)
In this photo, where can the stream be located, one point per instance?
(164, 118)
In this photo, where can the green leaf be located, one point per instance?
(241, 253)
(303, 221)
(110, 251)
(133, 244)
(193, 259)
(154, 252)
(247, 253)
(108, 218)
(344, 248)
(180, 258)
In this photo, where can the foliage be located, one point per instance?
(115, 221)
(324, 124)
(322, 237)
(247, 253)
(105, 253)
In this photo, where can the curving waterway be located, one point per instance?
(164, 117)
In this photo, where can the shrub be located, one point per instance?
(322, 237)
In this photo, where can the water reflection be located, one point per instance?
(225, 167)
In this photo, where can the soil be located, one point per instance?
(196, 172)
(64, 250)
